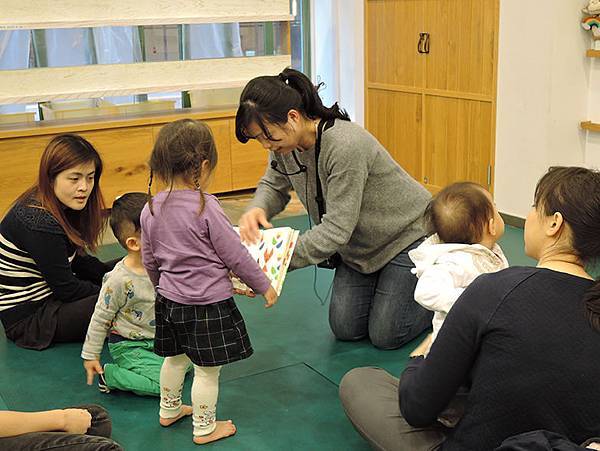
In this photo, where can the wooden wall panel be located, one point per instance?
(20, 159)
(394, 118)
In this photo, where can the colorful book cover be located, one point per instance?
(273, 253)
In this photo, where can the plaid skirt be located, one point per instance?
(210, 335)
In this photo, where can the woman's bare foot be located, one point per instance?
(223, 429)
(185, 411)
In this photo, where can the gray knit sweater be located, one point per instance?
(373, 207)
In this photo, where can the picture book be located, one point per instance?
(273, 253)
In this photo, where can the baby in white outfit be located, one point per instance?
(465, 225)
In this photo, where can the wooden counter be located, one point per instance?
(125, 145)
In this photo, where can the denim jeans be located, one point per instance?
(380, 305)
(96, 438)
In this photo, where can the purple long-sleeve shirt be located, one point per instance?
(188, 255)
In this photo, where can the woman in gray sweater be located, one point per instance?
(367, 210)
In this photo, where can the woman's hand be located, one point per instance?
(250, 222)
(92, 367)
(423, 347)
(76, 421)
(270, 297)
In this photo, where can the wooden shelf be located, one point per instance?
(591, 126)
(593, 53)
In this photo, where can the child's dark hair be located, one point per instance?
(459, 213)
(179, 151)
(125, 215)
(269, 98)
(574, 192)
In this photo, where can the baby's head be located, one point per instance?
(125, 220)
(464, 212)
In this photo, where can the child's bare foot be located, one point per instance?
(223, 429)
(185, 411)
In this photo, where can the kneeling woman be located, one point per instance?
(48, 283)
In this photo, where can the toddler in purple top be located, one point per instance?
(188, 249)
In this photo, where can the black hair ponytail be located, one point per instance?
(270, 98)
(309, 93)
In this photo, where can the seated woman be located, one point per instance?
(48, 283)
(525, 341)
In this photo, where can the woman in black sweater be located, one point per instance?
(525, 341)
(48, 283)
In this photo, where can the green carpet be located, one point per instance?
(283, 397)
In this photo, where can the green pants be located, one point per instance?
(135, 367)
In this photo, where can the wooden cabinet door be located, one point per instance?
(394, 118)
(20, 159)
(125, 153)
(248, 161)
(434, 112)
(221, 176)
(394, 78)
(462, 49)
(392, 34)
(458, 141)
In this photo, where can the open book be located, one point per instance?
(273, 254)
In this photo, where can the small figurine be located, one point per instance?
(592, 21)
(593, 8)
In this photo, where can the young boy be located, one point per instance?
(125, 309)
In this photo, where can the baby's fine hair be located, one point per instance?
(125, 215)
(459, 213)
(179, 151)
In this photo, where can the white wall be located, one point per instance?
(338, 53)
(543, 88)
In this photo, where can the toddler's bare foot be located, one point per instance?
(223, 429)
(185, 411)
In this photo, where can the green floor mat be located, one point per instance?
(283, 397)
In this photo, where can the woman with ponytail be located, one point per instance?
(525, 341)
(367, 209)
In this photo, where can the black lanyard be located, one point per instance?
(323, 125)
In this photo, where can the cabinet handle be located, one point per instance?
(423, 44)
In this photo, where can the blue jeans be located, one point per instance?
(96, 438)
(380, 306)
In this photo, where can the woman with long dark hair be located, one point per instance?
(48, 283)
(525, 341)
(366, 208)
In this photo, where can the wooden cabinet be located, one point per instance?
(431, 86)
(125, 146)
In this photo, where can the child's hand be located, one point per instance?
(423, 347)
(271, 297)
(92, 367)
(76, 421)
(248, 292)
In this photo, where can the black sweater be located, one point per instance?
(38, 261)
(520, 340)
